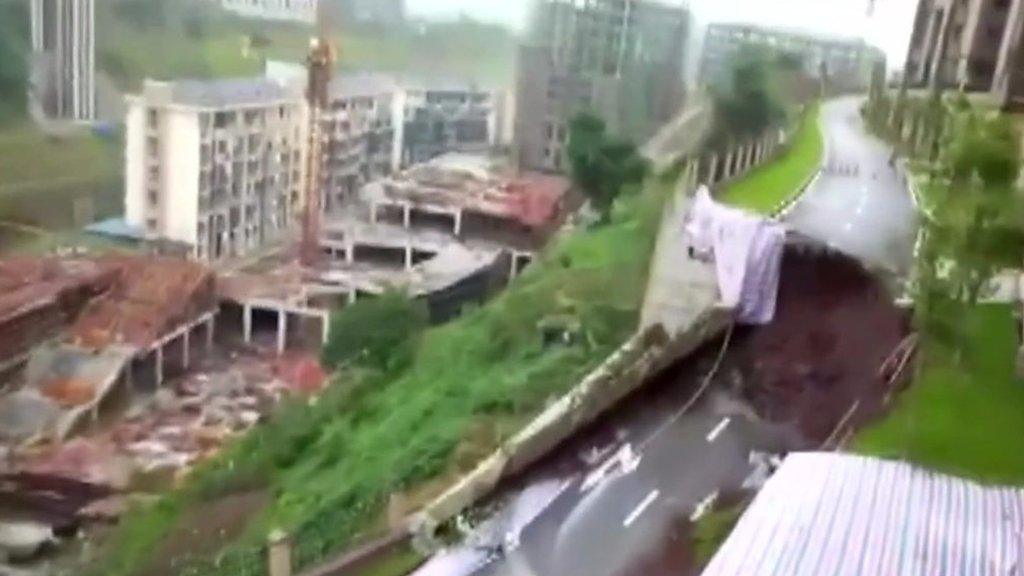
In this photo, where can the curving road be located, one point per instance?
(859, 205)
(620, 507)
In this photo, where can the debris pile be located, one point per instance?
(153, 296)
(55, 488)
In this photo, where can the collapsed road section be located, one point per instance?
(622, 497)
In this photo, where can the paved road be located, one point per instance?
(619, 513)
(613, 501)
(623, 513)
(859, 205)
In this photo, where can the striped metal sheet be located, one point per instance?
(842, 515)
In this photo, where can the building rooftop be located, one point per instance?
(221, 93)
(476, 184)
(795, 33)
(850, 515)
(153, 296)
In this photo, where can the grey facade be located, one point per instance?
(848, 64)
(63, 58)
(622, 59)
(359, 128)
(973, 45)
(453, 118)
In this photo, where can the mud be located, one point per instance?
(836, 325)
(786, 386)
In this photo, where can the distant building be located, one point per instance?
(284, 10)
(975, 45)
(380, 123)
(453, 117)
(361, 134)
(215, 165)
(848, 64)
(373, 12)
(63, 58)
(623, 59)
(218, 165)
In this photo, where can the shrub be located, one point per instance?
(376, 333)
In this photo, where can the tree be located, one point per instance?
(380, 333)
(983, 147)
(602, 166)
(751, 104)
(974, 230)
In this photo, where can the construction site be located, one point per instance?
(119, 372)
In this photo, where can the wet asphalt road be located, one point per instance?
(619, 513)
(615, 516)
(859, 205)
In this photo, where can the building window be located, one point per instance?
(151, 224)
(152, 119)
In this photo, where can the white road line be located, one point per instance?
(640, 508)
(717, 430)
(704, 506)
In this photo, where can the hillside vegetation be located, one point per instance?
(329, 470)
(194, 39)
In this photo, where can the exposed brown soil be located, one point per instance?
(835, 326)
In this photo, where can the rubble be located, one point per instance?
(153, 296)
(161, 436)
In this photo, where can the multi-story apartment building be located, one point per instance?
(216, 165)
(452, 117)
(970, 44)
(847, 63)
(63, 58)
(623, 59)
(284, 10)
(405, 122)
(360, 131)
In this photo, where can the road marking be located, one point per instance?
(640, 508)
(624, 458)
(717, 430)
(704, 506)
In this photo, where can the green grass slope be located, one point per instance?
(769, 185)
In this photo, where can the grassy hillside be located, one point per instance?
(14, 49)
(961, 417)
(765, 188)
(41, 176)
(191, 38)
(326, 472)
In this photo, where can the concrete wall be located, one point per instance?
(622, 373)
(179, 175)
(134, 165)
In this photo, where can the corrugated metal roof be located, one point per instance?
(841, 515)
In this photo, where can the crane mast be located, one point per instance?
(319, 64)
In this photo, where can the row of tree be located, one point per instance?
(975, 224)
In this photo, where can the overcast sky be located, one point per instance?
(888, 29)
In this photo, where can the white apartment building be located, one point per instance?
(282, 10)
(219, 165)
(64, 58)
(215, 165)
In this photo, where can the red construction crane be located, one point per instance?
(319, 64)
